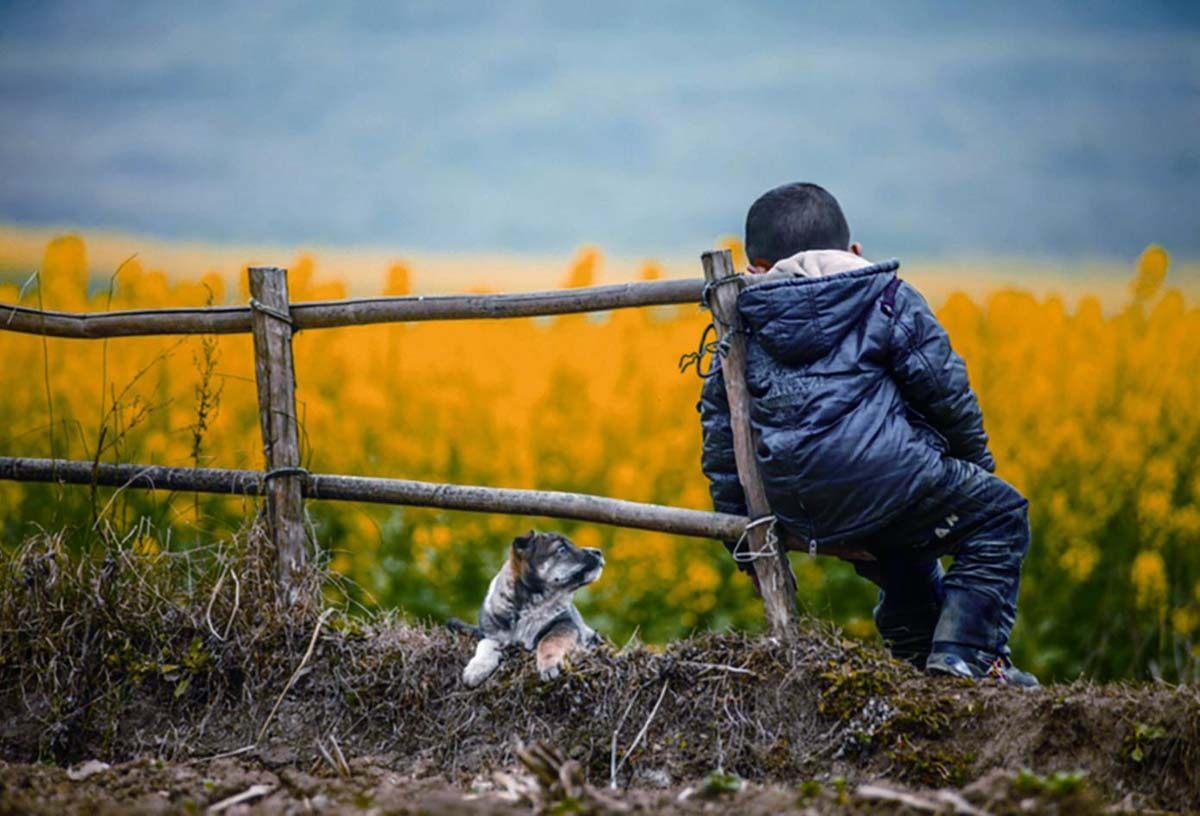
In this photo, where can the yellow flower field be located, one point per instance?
(1094, 415)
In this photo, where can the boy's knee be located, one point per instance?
(987, 566)
(1002, 536)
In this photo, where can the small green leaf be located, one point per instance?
(717, 784)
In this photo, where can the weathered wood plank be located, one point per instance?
(774, 573)
(354, 312)
(275, 374)
(547, 503)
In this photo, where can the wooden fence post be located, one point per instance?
(774, 573)
(272, 327)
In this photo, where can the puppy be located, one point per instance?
(528, 604)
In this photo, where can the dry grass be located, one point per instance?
(184, 655)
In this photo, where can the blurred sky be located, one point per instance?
(946, 128)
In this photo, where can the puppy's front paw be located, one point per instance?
(474, 675)
(486, 660)
(553, 648)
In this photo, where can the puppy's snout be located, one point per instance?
(596, 554)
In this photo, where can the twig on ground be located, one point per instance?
(328, 757)
(222, 755)
(252, 792)
(211, 599)
(343, 765)
(939, 802)
(237, 601)
(296, 674)
(612, 757)
(645, 727)
(558, 783)
(719, 667)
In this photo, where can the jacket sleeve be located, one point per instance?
(933, 379)
(717, 459)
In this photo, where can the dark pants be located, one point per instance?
(982, 522)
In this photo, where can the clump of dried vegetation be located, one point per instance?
(143, 651)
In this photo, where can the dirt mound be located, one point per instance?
(369, 784)
(131, 656)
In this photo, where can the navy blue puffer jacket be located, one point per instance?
(856, 398)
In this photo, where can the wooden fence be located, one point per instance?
(272, 319)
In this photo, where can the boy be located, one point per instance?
(868, 434)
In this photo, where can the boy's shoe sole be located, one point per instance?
(949, 664)
(954, 666)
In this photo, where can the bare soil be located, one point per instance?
(372, 785)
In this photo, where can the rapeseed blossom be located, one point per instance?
(1095, 416)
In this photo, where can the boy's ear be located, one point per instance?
(856, 248)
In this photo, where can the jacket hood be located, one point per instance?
(807, 304)
(817, 263)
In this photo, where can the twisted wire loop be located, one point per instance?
(743, 556)
(712, 348)
(282, 317)
(715, 349)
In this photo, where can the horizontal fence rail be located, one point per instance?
(551, 503)
(354, 312)
(273, 319)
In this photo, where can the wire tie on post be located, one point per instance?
(706, 292)
(284, 471)
(750, 556)
(282, 317)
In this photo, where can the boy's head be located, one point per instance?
(794, 218)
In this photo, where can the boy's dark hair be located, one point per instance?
(794, 218)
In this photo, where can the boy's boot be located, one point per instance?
(963, 661)
(910, 603)
(908, 640)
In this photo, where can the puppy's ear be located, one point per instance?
(522, 544)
